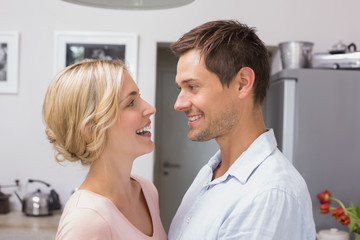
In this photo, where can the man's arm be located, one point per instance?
(273, 214)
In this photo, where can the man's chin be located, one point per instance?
(198, 137)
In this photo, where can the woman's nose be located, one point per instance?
(149, 109)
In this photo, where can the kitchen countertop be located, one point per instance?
(16, 226)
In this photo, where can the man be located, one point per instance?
(248, 189)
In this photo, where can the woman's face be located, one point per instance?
(130, 134)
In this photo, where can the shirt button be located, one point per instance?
(188, 219)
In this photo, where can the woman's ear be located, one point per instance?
(244, 81)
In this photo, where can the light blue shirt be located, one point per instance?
(261, 196)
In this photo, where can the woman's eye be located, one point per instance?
(131, 103)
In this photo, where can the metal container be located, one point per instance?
(296, 54)
(37, 204)
(336, 61)
(332, 234)
(4, 203)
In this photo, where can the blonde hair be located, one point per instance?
(80, 104)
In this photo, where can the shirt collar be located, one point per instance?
(249, 160)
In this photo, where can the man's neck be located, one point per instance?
(239, 140)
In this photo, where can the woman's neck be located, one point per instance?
(110, 178)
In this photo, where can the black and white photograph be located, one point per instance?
(78, 52)
(9, 55)
(3, 61)
(72, 47)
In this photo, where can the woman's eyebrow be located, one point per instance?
(133, 93)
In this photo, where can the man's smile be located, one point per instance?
(194, 118)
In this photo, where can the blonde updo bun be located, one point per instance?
(80, 104)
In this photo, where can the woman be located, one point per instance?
(94, 114)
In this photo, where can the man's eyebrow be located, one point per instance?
(186, 81)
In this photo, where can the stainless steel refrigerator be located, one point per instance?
(315, 114)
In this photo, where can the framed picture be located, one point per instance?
(72, 47)
(9, 60)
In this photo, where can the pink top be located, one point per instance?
(88, 215)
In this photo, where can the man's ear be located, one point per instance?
(244, 82)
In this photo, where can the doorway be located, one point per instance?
(177, 159)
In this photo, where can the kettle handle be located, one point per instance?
(18, 196)
(353, 46)
(40, 181)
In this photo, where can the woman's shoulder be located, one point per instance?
(81, 219)
(147, 187)
(86, 205)
(83, 203)
(144, 182)
(85, 199)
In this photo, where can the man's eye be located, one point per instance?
(192, 87)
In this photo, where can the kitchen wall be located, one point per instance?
(24, 150)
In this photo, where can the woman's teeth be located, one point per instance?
(191, 119)
(143, 130)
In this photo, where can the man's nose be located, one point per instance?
(182, 102)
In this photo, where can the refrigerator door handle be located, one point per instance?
(289, 118)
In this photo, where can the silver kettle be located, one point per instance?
(340, 48)
(38, 203)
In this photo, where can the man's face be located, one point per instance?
(208, 105)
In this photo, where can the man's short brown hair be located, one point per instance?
(226, 47)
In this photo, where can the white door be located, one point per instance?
(177, 159)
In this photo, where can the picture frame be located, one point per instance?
(9, 61)
(72, 47)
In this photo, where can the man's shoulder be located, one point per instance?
(278, 173)
(279, 167)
